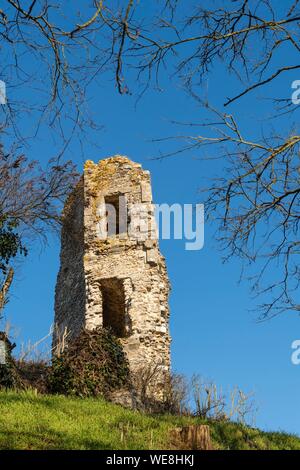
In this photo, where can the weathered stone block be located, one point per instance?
(152, 257)
(146, 192)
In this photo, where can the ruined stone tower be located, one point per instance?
(114, 278)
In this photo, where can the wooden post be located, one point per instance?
(195, 437)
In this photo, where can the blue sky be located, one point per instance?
(213, 325)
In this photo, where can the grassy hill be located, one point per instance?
(30, 421)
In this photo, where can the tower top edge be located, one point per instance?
(115, 159)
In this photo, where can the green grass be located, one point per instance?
(30, 421)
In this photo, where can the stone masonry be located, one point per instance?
(115, 280)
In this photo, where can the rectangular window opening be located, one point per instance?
(116, 213)
(113, 306)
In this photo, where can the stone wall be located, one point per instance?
(70, 292)
(118, 280)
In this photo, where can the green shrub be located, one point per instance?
(33, 373)
(93, 364)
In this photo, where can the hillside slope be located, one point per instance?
(30, 421)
